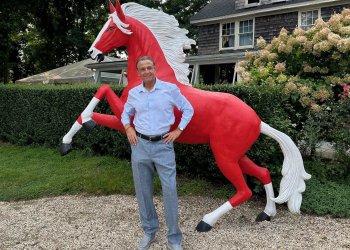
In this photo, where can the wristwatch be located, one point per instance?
(181, 129)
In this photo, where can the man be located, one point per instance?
(152, 104)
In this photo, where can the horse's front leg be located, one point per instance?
(113, 100)
(88, 118)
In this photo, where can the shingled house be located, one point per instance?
(228, 28)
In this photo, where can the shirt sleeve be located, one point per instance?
(184, 106)
(128, 111)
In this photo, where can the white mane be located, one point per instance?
(170, 37)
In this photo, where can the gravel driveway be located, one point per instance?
(112, 222)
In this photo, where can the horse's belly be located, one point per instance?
(221, 115)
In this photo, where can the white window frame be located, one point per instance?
(236, 35)
(246, 4)
(221, 35)
(308, 10)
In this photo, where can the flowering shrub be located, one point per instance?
(320, 54)
(345, 90)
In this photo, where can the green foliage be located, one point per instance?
(36, 172)
(312, 69)
(306, 63)
(43, 114)
(33, 31)
(183, 10)
(325, 171)
(331, 124)
(329, 197)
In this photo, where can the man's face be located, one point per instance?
(146, 71)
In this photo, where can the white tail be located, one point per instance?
(294, 175)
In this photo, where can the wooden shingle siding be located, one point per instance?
(265, 26)
(208, 39)
(239, 4)
(270, 26)
(328, 11)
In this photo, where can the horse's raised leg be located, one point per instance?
(113, 100)
(66, 145)
(232, 171)
(86, 115)
(86, 119)
(250, 168)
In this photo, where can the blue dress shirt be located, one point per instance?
(154, 109)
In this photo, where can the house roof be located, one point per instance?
(72, 73)
(223, 9)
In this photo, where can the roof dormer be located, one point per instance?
(251, 3)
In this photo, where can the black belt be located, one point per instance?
(150, 138)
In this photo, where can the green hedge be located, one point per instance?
(43, 114)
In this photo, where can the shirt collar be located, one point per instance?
(157, 85)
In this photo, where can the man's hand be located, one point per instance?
(172, 136)
(131, 134)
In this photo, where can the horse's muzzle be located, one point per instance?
(100, 57)
(91, 51)
(95, 54)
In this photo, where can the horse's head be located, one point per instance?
(114, 33)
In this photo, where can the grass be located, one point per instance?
(35, 172)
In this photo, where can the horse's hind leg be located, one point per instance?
(232, 171)
(250, 168)
(86, 118)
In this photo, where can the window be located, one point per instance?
(228, 35)
(307, 18)
(253, 1)
(246, 33)
(237, 34)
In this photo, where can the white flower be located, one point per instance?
(344, 45)
(325, 31)
(260, 43)
(333, 38)
(264, 53)
(280, 67)
(299, 32)
(345, 30)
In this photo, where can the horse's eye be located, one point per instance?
(111, 28)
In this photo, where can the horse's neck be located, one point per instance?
(143, 43)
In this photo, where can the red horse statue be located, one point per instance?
(221, 120)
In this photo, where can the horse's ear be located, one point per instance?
(119, 11)
(111, 7)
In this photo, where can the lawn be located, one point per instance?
(34, 172)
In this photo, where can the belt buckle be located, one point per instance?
(151, 138)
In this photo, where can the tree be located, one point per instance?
(11, 21)
(40, 35)
(66, 28)
(183, 10)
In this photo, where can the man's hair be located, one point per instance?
(145, 58)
